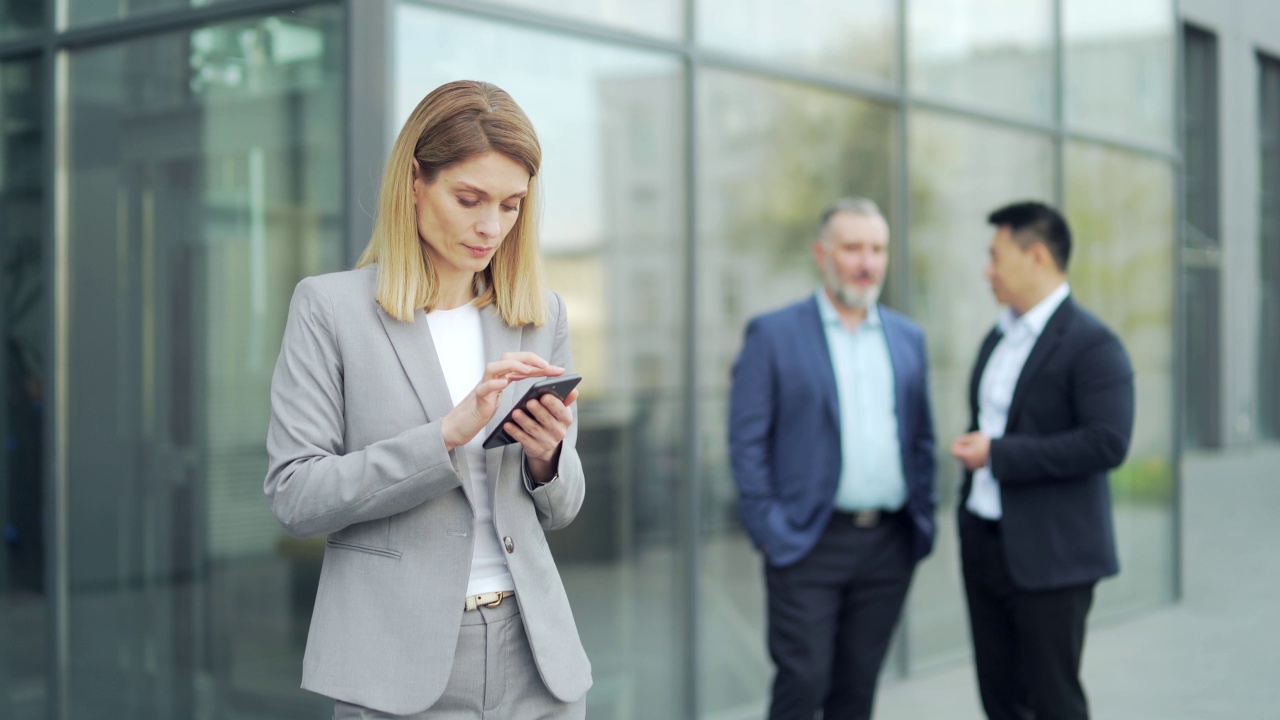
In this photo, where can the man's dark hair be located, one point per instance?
(1032, 222)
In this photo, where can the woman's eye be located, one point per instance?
(468, 203)
(511, 208)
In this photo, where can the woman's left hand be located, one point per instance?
(540, 427)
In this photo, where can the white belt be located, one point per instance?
(489, 600)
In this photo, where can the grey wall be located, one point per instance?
(1243, 28)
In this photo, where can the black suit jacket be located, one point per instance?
(1070, 422)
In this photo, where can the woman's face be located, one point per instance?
(468, 210)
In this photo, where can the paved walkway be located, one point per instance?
(1215, 655)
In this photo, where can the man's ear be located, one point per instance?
(1040, 252)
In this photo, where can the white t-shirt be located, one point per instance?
(460, 347)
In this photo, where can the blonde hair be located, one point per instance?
(454, 123)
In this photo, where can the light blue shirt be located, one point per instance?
(870, 454)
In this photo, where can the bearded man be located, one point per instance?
(832, 448)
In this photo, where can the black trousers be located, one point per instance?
(1027, 644)
(831, 616)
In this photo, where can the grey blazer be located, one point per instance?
(356, 454)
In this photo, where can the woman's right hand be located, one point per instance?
(477, 408)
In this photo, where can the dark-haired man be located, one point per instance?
(1052, 405)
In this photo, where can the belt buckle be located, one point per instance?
(478, 601)
(866, 519)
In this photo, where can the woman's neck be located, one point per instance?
(456, 291)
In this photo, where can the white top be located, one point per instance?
(995, 390)
(460, 346)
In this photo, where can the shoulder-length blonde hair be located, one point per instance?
(453, 124)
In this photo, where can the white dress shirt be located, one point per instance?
(995, 390)
(460, 347)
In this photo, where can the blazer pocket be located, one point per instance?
(344, 545)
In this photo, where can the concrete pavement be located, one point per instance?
(1213, 655)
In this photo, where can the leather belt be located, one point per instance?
(489, 600)
(865, 519)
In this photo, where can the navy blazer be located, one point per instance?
(1070, 422)
(784, 429)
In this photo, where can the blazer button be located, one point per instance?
(510, 544)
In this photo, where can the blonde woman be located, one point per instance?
(438, 596)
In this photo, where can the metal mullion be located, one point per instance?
(1180, 329)
(176, 19)
(1059, 119)
(20, 47)
(902, 249)
(1157, 152)
(866, 90)
(530, 19)
(693, 415)
(56, 287)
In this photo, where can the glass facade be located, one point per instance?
(24, 385)
(1269, 245)
(855, 39)
(1121, 206)
(688, 148)
(1201, 241)
(83, 12)
(660, 18)
(1116, 68)
(992, 55)
(21, 17)
(202, 187)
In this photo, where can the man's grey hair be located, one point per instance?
(856, 205)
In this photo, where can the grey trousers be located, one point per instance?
(494, 677)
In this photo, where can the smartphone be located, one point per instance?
(559, 386)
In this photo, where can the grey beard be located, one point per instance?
(852, 298)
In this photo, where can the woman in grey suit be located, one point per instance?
(438, 596)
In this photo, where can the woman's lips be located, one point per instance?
(478, 251)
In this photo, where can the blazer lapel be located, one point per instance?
(1044, 348)
(813, 346)
(417, 354)
(899, 351)
(984, 355)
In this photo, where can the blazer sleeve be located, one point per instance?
(752, 399)
(923, 442)
(1102, 404)
(559, 501)
(314, 486)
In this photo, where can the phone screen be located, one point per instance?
(559, 386)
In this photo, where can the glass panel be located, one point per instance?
(23, 342)
(996, 55)
(844, 38)
(663, 18)
(771, 156)
(21, 17)
(611, 125)
(80, 12)
(1269, 250)
(203, 185)
(1202, 373)
(960, 171)
(1119, 68)
(1121, 211)
(1200, 136)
